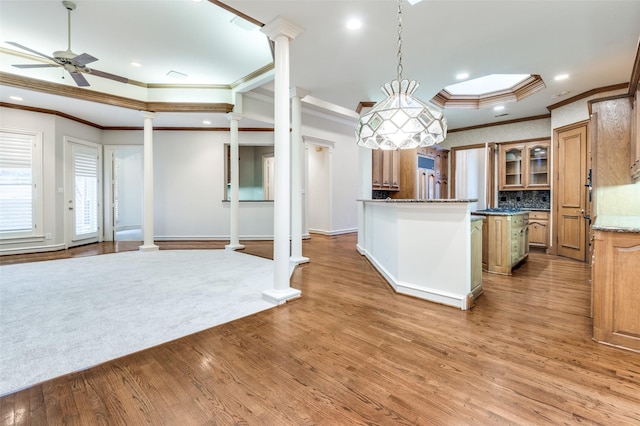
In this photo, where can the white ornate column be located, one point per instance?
(297, 163)
(280, 32)
(147, 222)
(234, 213)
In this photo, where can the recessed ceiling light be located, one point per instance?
(462, 75)
(15, 98)
(414, 2)
(136, 64)
(206, 122)
(354, 24)
(561, 77)
(498, 108)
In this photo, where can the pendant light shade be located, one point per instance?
(401, 121)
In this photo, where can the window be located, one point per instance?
(20, 184)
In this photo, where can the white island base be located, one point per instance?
(423, 248)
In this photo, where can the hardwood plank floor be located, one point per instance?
(351, 351)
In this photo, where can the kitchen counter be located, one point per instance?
(430, 249)
(617, 223)
(501, 212)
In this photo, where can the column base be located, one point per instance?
(150, 247)
(299, 259)
(281, 297)
(233, 247)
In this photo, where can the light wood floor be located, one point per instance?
(350, 351)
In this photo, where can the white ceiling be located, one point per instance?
(595, 42)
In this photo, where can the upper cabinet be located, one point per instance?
(385, 170)
(635, 140)
(524, 165)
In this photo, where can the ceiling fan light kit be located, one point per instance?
(74, 64)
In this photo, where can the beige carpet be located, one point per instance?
(65, 315)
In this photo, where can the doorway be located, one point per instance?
(124, 195)
(571, 203)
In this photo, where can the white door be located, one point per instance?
(268, 170)
(83, 193)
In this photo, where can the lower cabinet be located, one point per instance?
(507, 242)
(616, 288)
(539, 229)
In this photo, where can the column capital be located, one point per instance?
(298, 92)
(148, 114)
(279, 26)
(233, 116)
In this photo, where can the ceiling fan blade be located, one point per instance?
(79, 79)
(34, 65)
(30, 50)
(84, 59)
(107, 75)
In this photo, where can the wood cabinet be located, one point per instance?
(476, 256)
(409, 180)
(635, 140)
(616, 288)
(507, 242)
(539, 229)
(385, 170)
(524, 165)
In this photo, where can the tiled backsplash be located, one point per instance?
(525, 199)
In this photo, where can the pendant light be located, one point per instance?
(401, 121)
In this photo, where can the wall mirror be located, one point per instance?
(255, 172)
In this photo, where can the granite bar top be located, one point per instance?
(617, 223)
(412, 200)
(500, 213)
(475, 217)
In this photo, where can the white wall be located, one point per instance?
(130, 185)
(189, 176)
(318, 160)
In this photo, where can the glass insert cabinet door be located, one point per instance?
(538, 165)
(513, 167)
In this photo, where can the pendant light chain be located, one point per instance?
(399, 41)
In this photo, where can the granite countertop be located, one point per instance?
(617, 223)
(476, 217)
(412, 200)
(500, 212)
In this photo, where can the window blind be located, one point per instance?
(16, 183)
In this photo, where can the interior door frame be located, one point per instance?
(555, 175)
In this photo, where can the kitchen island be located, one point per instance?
(506, 238)
(423, 248)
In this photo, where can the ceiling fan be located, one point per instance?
(73, 63)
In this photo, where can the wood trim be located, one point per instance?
(236, 12)
(107, 99)
(635, 73)
(516, 120)
(587, 94)
(525, 88)
(364, 104)
(193, 129)
(50, 111)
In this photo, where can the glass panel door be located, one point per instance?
(513, 167)
(85, 201)
(538, 166)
